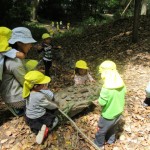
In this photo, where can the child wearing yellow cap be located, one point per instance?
(5, 50)
(112, 101)
(40, 105)
(82, 75)
(47, 48)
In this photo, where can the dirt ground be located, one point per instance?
(113, 42)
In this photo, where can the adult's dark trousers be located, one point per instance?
(107, 131)
(48, 65)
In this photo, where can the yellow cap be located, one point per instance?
(81, 64)
(32, 78)
(110, 75)
(5, 34)
(45, 36)
(107, 65)
(31, 64)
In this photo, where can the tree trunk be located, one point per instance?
(144, 7)
(137, 7)
(34, 9)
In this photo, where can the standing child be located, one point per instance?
(112, 100)
(5, 50)
(40, 105)
(47, 49)
(82, 76)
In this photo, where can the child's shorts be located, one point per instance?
(36, 124)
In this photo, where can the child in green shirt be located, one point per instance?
(112, 100)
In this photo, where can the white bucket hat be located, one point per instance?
(21, 34)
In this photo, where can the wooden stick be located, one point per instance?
(74, 124)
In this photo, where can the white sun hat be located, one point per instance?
(21, 34)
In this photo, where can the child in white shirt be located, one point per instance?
(82, 75)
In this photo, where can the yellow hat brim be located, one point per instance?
(45, 80)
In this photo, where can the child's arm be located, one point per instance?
(20, 55)
(11, 53)
(38, 47)
(90, 78)
(57, 47)
(48, 104)
(103, 97)
(49, 95)
(77, 80)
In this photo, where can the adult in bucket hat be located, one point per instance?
(21, 34)
(14, 70)
(40, 108)
(112, 101)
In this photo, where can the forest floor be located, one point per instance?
(96, 44)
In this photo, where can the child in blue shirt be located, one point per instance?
(40, 104)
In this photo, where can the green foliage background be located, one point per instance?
(82, 12)
(14, 12)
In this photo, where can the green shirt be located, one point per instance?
(112, 102)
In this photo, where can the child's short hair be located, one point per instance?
(76, 71)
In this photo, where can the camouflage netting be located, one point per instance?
(72, 100)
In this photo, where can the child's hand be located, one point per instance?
(93, 81)
(96, 102)
(89, 82)
(39, 47)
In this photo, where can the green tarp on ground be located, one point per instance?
(72, 100)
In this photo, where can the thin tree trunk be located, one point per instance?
(144, 7)
(34, 9)
(137, 7)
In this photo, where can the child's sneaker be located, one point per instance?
(42, 134)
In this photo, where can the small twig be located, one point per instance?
(77, 138)
(74, 124)
(126, 7)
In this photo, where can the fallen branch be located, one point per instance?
(126, 7)
(74, 124)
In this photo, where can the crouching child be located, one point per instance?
(40, 105)
(82, 75)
